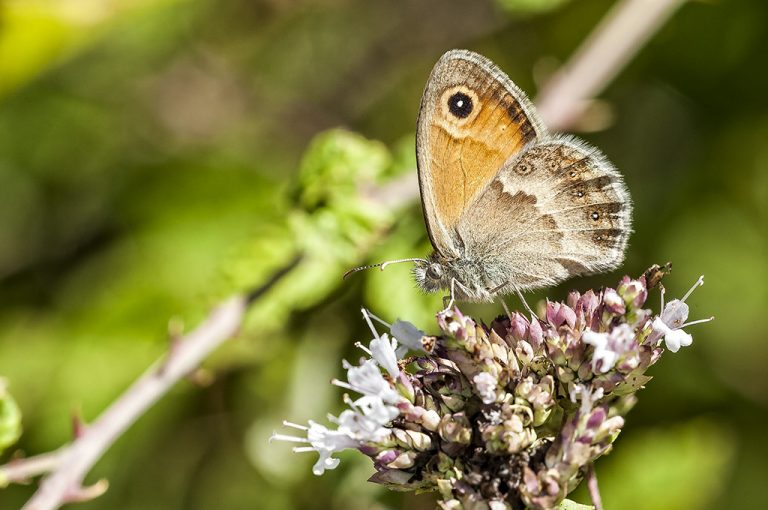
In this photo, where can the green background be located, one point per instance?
(157, 155)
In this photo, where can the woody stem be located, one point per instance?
(602, 55)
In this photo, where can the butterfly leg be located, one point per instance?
(525, 303)
(496, 289)
(519, 295)
(506, 308)
(450, 299)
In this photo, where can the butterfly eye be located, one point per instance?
(434, 271)
(460, 105)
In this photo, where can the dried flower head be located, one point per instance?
(508, 416)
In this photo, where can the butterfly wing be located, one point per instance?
(472, 119)
(558, 209)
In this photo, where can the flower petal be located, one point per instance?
(677, 338)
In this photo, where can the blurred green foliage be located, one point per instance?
(531, 6)
(157, 155)
(10, 420)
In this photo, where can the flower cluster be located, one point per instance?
(502, 417)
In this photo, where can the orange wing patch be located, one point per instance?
(467, 153)
(472, 120)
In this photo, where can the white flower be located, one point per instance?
(603, 357)
(494, 417)
(485, 384)
(322, 440)
(367, 418)
(383, 349)
(609, 347)
(367, 379)
(364, 422)
(407, 334)
(383, 352)
(587, 396)
(669, 325)
(612, 298)
(376, 410)
(673, 338)
(364, 427)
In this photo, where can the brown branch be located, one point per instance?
(69, 465)
(24, 469)
(74, 461)
(613, 43)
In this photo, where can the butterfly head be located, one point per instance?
(432, 275)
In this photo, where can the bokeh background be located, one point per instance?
(158, 155)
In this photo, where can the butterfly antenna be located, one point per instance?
(383, 265)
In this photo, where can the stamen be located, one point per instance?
(290, 439)
(700, 321)
(351, 403)
(365, 349)
(370, 324)
(343, 384)
(698, 283)
(379, 320)
(303, 449)
(662, 291)
(294, 425)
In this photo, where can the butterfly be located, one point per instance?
(509, 207)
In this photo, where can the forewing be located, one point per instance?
(472, 119)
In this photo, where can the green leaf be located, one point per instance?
(632, 384)
(331, 225)
(334, 166)
(10, 419)
(530, 6)
(567, 504)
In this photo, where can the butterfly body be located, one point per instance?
(508, 206)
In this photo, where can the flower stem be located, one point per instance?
(594, 490)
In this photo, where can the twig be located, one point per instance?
(615, 40)
(76, 460)
(69, 465)
(24, 469)
(594, 491)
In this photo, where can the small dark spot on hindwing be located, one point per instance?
(607, 237)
